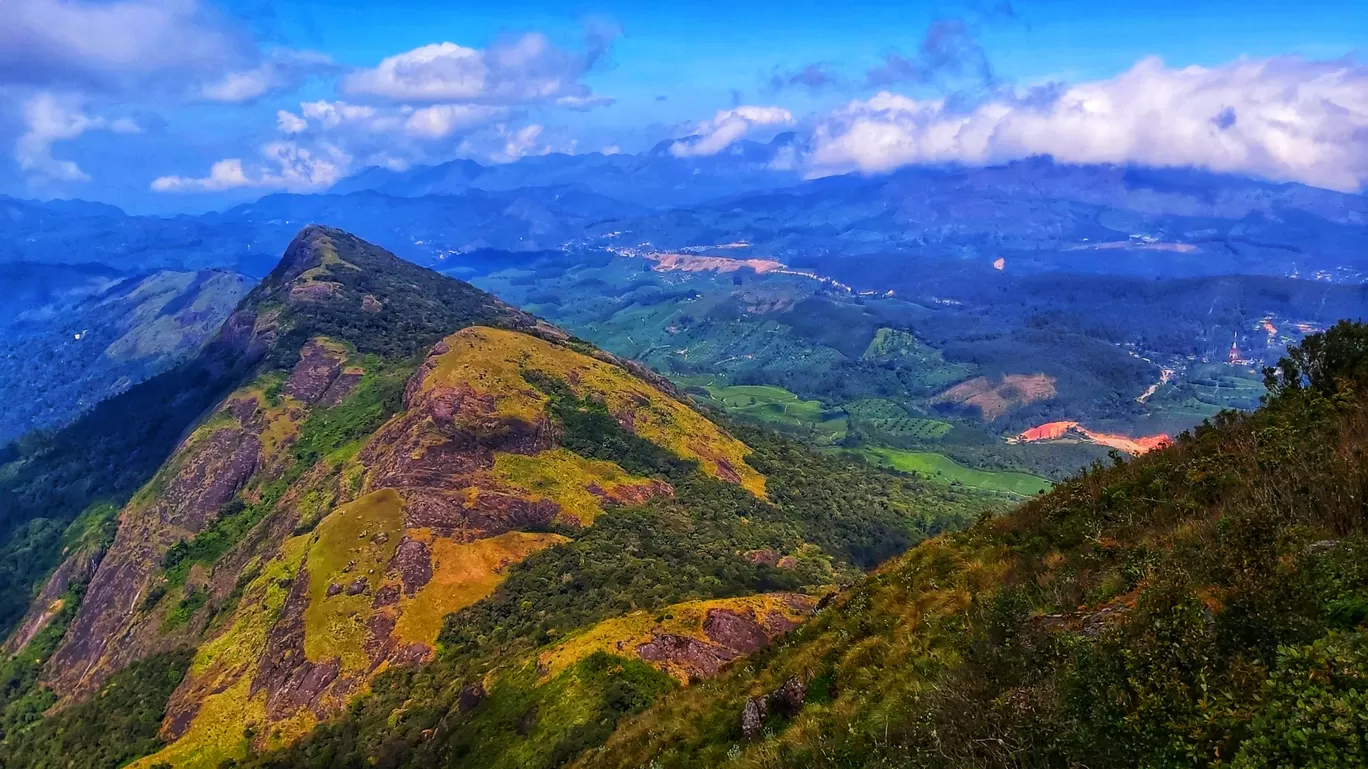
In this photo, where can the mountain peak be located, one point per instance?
(332, 283)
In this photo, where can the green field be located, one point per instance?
(774, 406)
(939, 466)
(886, 417)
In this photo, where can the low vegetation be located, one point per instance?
(1203, 605)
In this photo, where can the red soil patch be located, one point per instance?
(993, 399)
(1051, 431)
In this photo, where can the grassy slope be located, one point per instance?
(1204, 605)
(941, 467)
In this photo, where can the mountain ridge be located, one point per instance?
(385, 449)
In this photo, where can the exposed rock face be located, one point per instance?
(763, 557)
(78, 567)
(736, 632)
(786, 702)
(414, 565)
(728, 633)
(475, 513)
(291, 682)
(104, 637)
(341, 387)
(355, 566)
(753, 718)
(471, 697)
(320, 364)
(697, 658)
(788, 699)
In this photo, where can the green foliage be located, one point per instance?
(939, 467)
(1198, 606)
(189, 605)
(103, 457)
(1314, 708)
(527, 724)
(1323, 362)
(22, 699)
(410, 307)
(118, 724)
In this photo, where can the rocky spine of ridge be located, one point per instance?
(383, 454)
(325, 277)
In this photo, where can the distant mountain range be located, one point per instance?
(655, 179)
(1035, 214)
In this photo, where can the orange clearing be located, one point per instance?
(690, 263)
(1055, 430)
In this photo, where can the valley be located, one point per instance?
(536, 466)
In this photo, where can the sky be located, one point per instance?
(186, 105)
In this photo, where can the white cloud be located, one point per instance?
(526, 69)
(328, 115)
(49, 119)
(442, 120)
(45, 42)
(280, 70)
(520, 143)
(727, 126)
(287, 166)
(288, 123)
(223, 175)
(1284, 119)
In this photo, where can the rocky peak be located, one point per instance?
(331, 283)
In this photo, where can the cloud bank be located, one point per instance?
(727, 126)
(81, 44)
(49, 120)
(1283, 119)
(526, 69)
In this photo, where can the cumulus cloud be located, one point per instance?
(1282, 119)
(79, 43)
(284, 166)
(281, 70)
(727, 126)
(442, 120)
(525, 69)
(49, 119)
(288, 123)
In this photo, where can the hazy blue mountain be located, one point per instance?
(74, 335)
(1036, 215)
(656, 178)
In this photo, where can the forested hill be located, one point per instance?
(385, 517)
(1203, 605)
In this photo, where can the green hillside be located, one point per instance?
(384, 513)
(1205, 605)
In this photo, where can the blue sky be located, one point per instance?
(166, 105)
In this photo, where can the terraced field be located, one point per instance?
(887, 418)
(772, 405)
(940, 467)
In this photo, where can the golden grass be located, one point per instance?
(217, 733)
(491, 361)
(564, 477)
(462, 574)
(621, 635)
(356, 541)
